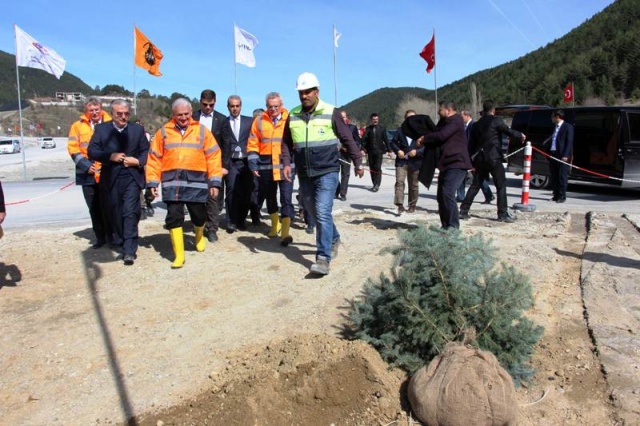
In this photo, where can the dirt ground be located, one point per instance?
(243, 335)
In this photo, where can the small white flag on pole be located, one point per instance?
(245, 43)
(336, 36)
(31, 54)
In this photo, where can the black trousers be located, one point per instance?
(96, 202)
(175, 214)
(375, 167)
(269, 192)
(214, 207)
(345, 170)
(483, 170)
(238, 191)
(448, 183)
(125, 212)
(559, 174)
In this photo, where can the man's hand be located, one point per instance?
(2, 216)
(524, 138)
(256, 173)
(565, 159)
(412, 153)
(154, 192)
(400, 154)
(117, 157)
(419, 141)
(287, 173)
(213, 191)
(358, 171)
(130, 162)
(225, 172)
(92, 169)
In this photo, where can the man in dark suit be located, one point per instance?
(122, 148)
(562, 149)
(240, 179)
(345, 159)
(375, 143)
(219, 126)
(486, 190)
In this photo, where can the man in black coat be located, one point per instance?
(219, 126)
(122, 148)
(375, 143)
(562, 149)
(485, 146)
(345, 159)
(453, 161)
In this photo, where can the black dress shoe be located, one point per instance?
(129, 258)
(561, 200)
(241, 226)
(99, 244)
(489, 200)
(231, 228)
(212, 236)
(343, 198)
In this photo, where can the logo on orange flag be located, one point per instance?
(147, 54)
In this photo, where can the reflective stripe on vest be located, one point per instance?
(317, 132)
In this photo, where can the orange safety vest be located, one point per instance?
(264, 147)
(186, 164)
(77, 144)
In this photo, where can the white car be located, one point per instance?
(9, 146)
(48, 143)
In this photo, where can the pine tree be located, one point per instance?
(445, 287)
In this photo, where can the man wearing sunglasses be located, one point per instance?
(221, 129)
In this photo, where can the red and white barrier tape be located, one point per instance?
(13, 203)
(583, 169)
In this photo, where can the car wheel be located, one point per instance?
(539, 181)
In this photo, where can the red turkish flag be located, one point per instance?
(429, 53)
(568, 93)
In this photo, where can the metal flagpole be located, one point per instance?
(335, 75)
(435, 71)
(235, 64)
(135, 95)
(24, 160)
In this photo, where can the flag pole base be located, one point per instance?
(524, 207)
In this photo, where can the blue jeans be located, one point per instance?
(317, 196)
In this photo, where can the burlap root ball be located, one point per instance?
(463, 386)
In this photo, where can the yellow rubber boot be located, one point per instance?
(201, 241)
(286, 238)
(275, 225)
(177, 241)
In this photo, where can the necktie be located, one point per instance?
(236, 130)
(554, 137)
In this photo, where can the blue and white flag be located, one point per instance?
(245, 43)
(31, 54)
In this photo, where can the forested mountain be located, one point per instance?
(601, 57)
(33, 83)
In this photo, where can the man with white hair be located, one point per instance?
(186, 158)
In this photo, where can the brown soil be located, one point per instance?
(241, 335)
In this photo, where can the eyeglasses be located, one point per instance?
(274, 106)
(208, 104)
(122, 114)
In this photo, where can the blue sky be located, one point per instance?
(379, 45)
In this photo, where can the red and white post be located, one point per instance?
(524, 205)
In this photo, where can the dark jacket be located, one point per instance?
(221, 130)
(132, 141)
(318, 160)
(375, 142)
(356, 138)
(2, 206)
(400, 143)
(449, 136)
(564, 141)
(486, 138)
(244, 132)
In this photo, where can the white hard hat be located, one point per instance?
(307, 80)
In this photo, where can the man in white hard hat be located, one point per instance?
(312, 136)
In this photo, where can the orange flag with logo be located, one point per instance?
(147, 54)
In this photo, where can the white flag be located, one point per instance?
(336, 36)
(30, 53)
(245, 44)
